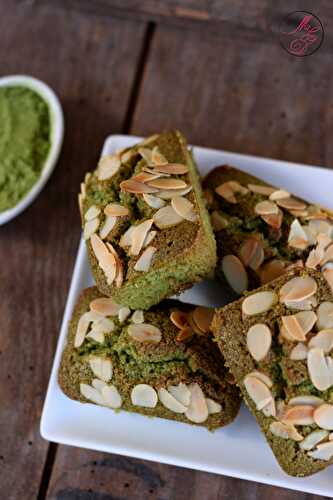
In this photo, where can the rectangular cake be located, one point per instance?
(278, 343)
(262, 230)
(145, 222)
(160, 362)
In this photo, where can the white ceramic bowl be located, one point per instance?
(56, 138)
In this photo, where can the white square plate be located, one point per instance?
(239, 450)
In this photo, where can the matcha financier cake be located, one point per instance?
(261, 230)
(278, 343)
(160, 362)
(145, 223)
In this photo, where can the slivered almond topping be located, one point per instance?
(252, 253)
(119, 266)
(166, 217)
(138, 236)
(272, 270)
(323, 340)
(111, 396)
(83, 325)
(298, 289)
(107, 227)
(235, 273)
(157, 158)
(263, 377)
(259, 339)
(170, 402)
(213, 406)
(298, 415)
(90, 228)
(116, 210)
(218, 221)
(146, 154)
(273, 220)
(106, 259)
(319, 226)
(144, 395)
(135, 187)
(108, 166)
(203, 317)
(258, 391)
(269, 409)
(302, 305)
(258, 303)
(153, 201)
(92, 213)
(98, 384)
(181, 393)
(144, 261)
(299, 352)
(104, 325)
(184, 208)
(101, 367)
(324, 451)
(197, 410)
(291, 203)
(328, 275)
(315, 257)
(306, 319)
(307, 400)
(126, 239)
(280, 194)
(285, 431)
(226, 192)
(149, 238)
(146, 176)
(137, 317)
(167, 183)
(325, 315)
(172, 168)
(92, 394)
(105, 306)
(323, 416)
(145, 333)
(168, 194)
(123, 314)
(179, 319)
(297, 236)
(320, 368)
(260, 189)
(294, 328)
(266, 208)
(185, 334)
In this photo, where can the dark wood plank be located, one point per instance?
(91, 63)
(239, 94)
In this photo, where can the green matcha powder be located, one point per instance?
(24, 142)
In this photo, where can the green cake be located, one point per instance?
(160, 362)
(262, 230)
(144, 219)
(278, 344)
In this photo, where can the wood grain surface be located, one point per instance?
(233, 88)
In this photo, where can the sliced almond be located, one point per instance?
(153, 201)
(145, 333)
(111, 396)
(139, 235)
(319, 226)
(90, 228)
(260, 189)
(97, 336)
(92, 213)
(259, 339)
(146, 176)
(328, 256)
(294, 328)
(323, 340)
(325, 315)
(323, 416)
(197, 410)
(83, 325)
(104, 325)
(144, 261)
(328, 275)
(314, 258)
(137, 317)
(149, 238)
(119, 266)
(252, 253)
(302, 305)
(263, 377)
(126, 238)
(101, 367)
(146, 154)
(98, 384)
(323, 451)
(105, 306)
(168, 194)
(213, 406)
(320, 369)
(107, 227)
(170, 402)
(167, 183)
(297, 236)
(266, 208)
(179, 318)
(144, 395)
(203, 317)
(272, 270)
(226, 192)
(273, 220)
(305, 400)
(123, 314)
(298, 415)
(92, 394)
(258, 303)
(299, 352)
(167, 217)
(157, 158)
(285, 431)
(306, 319)
(298, 289)
(235, 273)
(108, 166)
(116, 210)
(184, 208)
(291, 203)
(105, 259)
(181, 393)
(218, 221)
(279, 194)
(172, 168)
(258, 391)
(136, 187)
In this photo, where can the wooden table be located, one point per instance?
(214, 70)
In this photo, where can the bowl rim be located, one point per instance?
(56, 138)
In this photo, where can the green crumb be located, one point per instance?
(24, 142)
